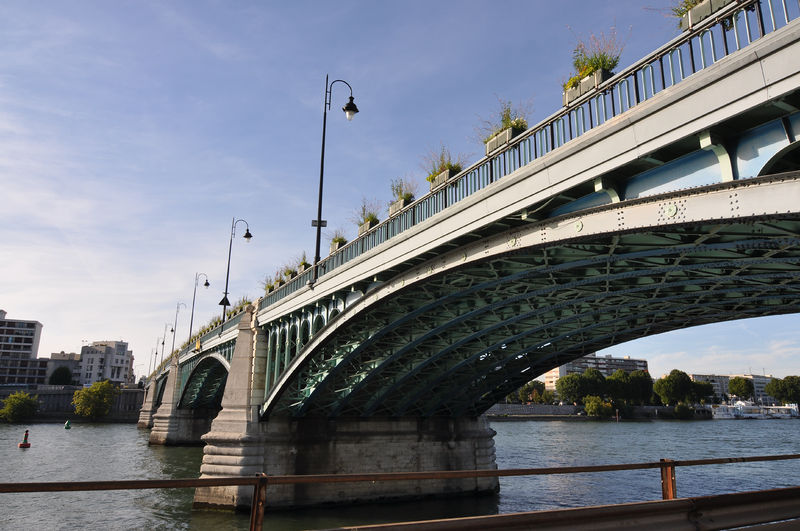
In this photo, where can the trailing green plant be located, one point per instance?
(402, 189)
(600, 52)
(509, 116)
(435, 162)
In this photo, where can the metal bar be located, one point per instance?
(721, 511)
(387, 476)
(258, 504)
(668, 486)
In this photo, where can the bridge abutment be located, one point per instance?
(174, 426)
(349, 446)
(148, 410)
(239, 444)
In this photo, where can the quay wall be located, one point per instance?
(55, 404)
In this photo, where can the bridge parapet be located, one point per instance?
(733, 28)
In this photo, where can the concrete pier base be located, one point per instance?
(240, 444)
(174, 426)
(148, 410)
(343, 446)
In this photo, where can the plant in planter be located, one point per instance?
(440, 166)
(338, 240)
(289, 272)
(593, 62)
(511, 121)
(403, 192)
(691, 12)
(366, 216)
(268, 283)
(302, 263)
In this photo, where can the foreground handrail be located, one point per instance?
(261, 481)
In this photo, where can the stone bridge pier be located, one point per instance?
(240, 444)
(172, 425)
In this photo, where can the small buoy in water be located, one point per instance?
(66, 425)
(25, 443)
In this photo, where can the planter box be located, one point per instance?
(702, 11)
(397, 206)
(364, 227)
(279, 282)
(440, 179)
(335, 246)
(501, 138)
(587, 84)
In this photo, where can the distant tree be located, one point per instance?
(702, 392)
(741, 387)
(641, 386)
(673, 388)
(786, 391)
(545, 397)
(618, 386)
(95, 401)
(60, 376)
(19, 406)
(594, 383)
(526, 392)
(597, 407)
(570, 388)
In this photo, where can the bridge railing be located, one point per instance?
(730, 29)
(740, 509)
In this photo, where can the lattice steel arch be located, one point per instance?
(452, 342)
(206, 383)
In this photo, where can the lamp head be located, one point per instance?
(206, 284)
(247, 235)
(350, 109)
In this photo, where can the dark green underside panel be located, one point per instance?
(206, 385)
(458, 342)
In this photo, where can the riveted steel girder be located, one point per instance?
(205, 386)
(463, 330)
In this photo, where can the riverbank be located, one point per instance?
(500, 412)
(55, 404)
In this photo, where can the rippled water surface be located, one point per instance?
(120, 451)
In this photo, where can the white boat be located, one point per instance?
(748, 410)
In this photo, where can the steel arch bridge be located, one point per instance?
(485, 319)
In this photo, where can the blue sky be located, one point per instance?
(132, 133)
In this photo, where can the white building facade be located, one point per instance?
(106, 360)
(19, 346)
(607, 365)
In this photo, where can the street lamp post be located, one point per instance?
(163, 338)
(225, 302)
(194, 295)
(350, 110)
(175, 326)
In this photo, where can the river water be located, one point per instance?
(120, 451)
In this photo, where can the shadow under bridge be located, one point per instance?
(458, 333)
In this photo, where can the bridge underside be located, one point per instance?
(458, 342)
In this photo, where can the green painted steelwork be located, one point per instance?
(457, 342)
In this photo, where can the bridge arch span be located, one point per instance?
(457, 334)
(206, 383)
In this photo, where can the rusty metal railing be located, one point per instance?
(260, 482)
